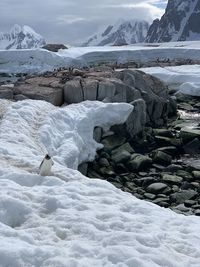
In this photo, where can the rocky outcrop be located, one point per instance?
(40, 88)
(179, 23)
(54, 47)
(147, 94)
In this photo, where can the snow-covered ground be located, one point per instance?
(185, 78)
(23, 61)
(68, 220)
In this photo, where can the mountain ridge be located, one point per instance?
(21, 38)
(121, 33)
(179, 23)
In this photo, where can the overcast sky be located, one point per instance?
(69, 21)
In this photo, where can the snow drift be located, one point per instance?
(67, 219)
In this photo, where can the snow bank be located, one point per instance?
(67, 219)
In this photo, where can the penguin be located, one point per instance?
(45, 166)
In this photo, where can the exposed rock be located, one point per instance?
(173, 168)
(139, 162)
(83, 168)
(181, 197)
(162, 158)
(125, 147)
(73, 92)
(188, 134)
(97, 134)
(89, 89)
(156, 188)
(104, 162)
(193, 147)
(106, 89)
(6, 93)
(112, 142)
(54, 47)
(171, 179)
(137, 119)
(120, 157)
(196, 175)
(34, 91)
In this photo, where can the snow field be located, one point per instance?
(185, 78)
(67, 219)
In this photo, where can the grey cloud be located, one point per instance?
(71, 20)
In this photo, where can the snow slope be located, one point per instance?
(67, 219)
(21, 38)
(123, 32)
(185, 78)
(40, 60)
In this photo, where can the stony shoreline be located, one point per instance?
(157, 164)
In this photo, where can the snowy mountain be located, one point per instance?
(179, 23)
(21, 38)
(121, 33)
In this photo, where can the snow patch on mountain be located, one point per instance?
(21, 38)
(121, 33)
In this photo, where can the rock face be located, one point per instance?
(122, 33)
(21, 38)
(179, 23)
(148, 95)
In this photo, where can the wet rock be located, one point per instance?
(125, 147)
(173, 168)
(196, 175)
(156, 188)
(186, 175)
(188, 134)
(181, 197)
(197, 212)
(121, 157)
(112, 142)
(186, 185)
(139, 162)
(163, 132)
(149, 196)
(193, 147)
(161, 158)
(170, 150)
(161, 199)
(147, 181)
(189, 203)
(171, 179)
(104, 162)
(166, 141)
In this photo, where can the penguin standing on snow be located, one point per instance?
(45, 166)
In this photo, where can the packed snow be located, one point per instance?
(185, 78)
(67, 219)
(39, 60)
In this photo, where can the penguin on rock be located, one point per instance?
(45, 166)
